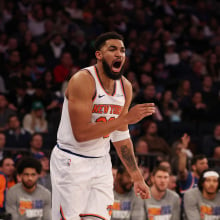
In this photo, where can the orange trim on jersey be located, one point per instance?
(61, 213)
(92, 215)
(100, 82)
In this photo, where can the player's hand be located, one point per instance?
(139, 112)
(142, 190)
(185, 140)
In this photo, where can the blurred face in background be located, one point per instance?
(200, 166)
(124, 181)
(37, 142)
(210, 185)
(161, 180)
(29, 178)
(2, 141)
(8, 167)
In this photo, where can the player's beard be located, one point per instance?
(109, 73)
(126, 187)
(160, 189)
(29, 186)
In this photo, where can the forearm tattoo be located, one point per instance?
(128, 157)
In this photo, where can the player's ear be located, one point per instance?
(98, 55)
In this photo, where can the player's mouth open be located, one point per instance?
(116, 66)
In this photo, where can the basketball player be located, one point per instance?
(95, 111)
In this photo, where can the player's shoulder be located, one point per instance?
(172, 193)
(14, 189)
(43, 189)
(79, 81)
(193, 192)
(82, 75)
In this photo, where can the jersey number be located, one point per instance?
(104, 119)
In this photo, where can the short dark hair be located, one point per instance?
(202, 179)
(101, 39)
(160, 168)
(4, 158)
(153, 173)
(197, 157)
(28, 162)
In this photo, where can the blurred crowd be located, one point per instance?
(173, 60)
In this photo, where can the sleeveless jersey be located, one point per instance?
(105, 107)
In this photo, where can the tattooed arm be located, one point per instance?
(125, 150)
(126, 153)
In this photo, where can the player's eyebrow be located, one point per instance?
(115, 47)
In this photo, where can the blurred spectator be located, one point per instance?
(2, 85)
(184, 93)
(169, 107)
(16, 136)
(35, 121)
(54, 49)
(79, 49)
(163, 203)
(210, 96)
(48, 81)
(204, 201)
(64, 23)
(161, 76)
(126, 205)
(5, 112)
(74, 11)
(197, 111)
(18, 97)
(211, 141)
(196, 76)
(173, 183)
(36, 20)
(36, 144)
(13, 66)
(178, 146)
(49, 27)
(7, 167)
(167, 165)
(3, 189)
(156, 144)
(39, 67)
(65, 67)
(188, 178)
(24, 6)
(27, 199)
(171, 57)
(44, 178)
(2, 145)
(148, 94)
(213, 66)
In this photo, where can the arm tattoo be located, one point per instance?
(127, 155)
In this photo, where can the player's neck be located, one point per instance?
(208, 196)
(29, 190)
(106, 82)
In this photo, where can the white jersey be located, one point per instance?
(105, 107)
